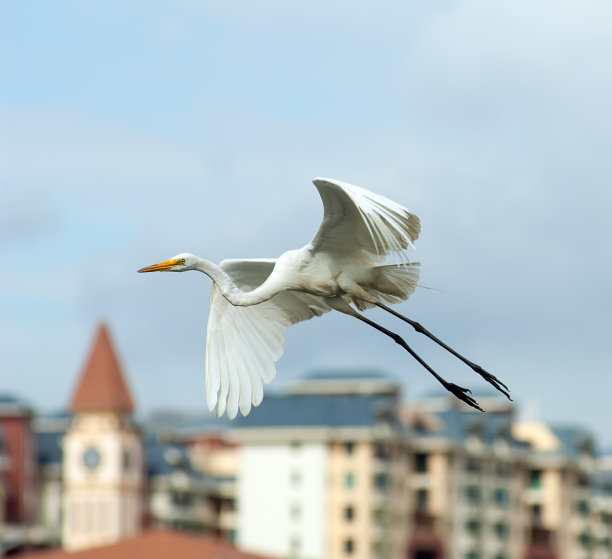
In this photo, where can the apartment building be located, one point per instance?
(178, 496)
(215, 456)
(467, 475)
(601, 512)
(322, 471)
(559, 494)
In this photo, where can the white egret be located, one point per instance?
(253, 302)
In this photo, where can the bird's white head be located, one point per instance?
(179, 263)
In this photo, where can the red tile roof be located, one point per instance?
(102, 386)
(155, 545)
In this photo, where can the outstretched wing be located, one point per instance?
(243, 343)
(356, 219)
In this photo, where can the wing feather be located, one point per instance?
(243, 343)
(223, 376)
(356, 218)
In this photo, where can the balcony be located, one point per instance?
(541, 544)
(425, 540)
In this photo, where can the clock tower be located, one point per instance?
(103, 466)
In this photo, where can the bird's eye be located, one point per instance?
(183, 261)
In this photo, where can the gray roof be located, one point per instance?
(459, 424)
(602, 482)
(575, 440)
(324, 410)
(164, 459)
(333, 374)
(12, 402)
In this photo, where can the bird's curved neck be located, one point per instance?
(231, 291)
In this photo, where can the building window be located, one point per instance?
(472, 555)
(473, 527)
(583, 508)
(181, 498)
(349, 513)
(349, 546)
(296, 511)
(296, 478)
(349, 480)
(382, 451)
(473, 465)
(296, 545)
(379, 548)
(535, 479)
(75, 516)
(127, 459)
(349, 447)
(421, 462)
(381, 481)
(504, 469)
(536, 515)
(501, 530)
(584, 539)
(379, 516)
(421, 498)
(500, 496)
(473, 494)
(583, 480)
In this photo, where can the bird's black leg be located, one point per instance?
(498, 384)
(458, 391)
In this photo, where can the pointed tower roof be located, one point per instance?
(102, 386)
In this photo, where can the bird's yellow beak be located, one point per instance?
(162, 266)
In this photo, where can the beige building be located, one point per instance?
(330, 462)
(601, 511)
(467, 475)
(103, 468)
(558, 493)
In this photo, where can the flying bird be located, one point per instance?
(253, 302)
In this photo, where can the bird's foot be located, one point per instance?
(493, 380)
(462, 394)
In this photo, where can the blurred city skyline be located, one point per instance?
(132, 132)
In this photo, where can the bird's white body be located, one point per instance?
(253, 302)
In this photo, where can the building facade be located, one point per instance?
(329, 459)
(103, 462)
(559, 494)
(467, 477)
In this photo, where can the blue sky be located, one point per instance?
(130, 132)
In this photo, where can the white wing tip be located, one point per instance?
(323, 180)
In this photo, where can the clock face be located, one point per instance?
(91, 458)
